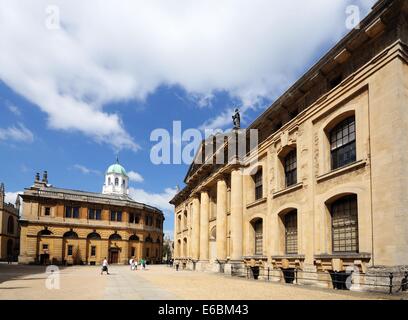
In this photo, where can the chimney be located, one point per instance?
(37, 177)
(45, 177)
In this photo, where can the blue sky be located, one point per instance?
(96, 85)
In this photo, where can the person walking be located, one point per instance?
(131, 263)
(144, 264)
(105, 266)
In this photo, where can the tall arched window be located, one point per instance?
(94, 236)
(258, 232)
(344, 218)
(70, 235)
(179, 248)
(116, 181)
(291, 232)
(185, 219)
(10, 225)
(179, 223)
(343, 143)
(258, 184)
(291, 168)
(185, 247)
(115, 236)
(134, 238)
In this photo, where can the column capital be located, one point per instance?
(222, 177)
(204, 190)
(195, 196)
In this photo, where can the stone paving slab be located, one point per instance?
(155, 283)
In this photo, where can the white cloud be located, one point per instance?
(108, 52)
(159, 200)
(86, 170)
(17, 133)
(10, 197)
(135, 177)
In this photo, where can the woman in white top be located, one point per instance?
(105, 266)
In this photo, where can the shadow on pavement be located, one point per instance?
(9, 272)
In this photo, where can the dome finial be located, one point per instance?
(117, 158)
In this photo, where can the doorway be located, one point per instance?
(114, 256)
(44, 259)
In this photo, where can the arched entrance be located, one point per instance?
(114, 255)
(93, 245)
(114, 249)
(71, 253)
(43, 246)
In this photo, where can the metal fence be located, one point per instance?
(390, 282)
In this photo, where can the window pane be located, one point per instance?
(291, 237)
(68, 212)
(258, 185)
(345, 225)
(258, 238)
(343, 143)
(291, 169)
(75, 213)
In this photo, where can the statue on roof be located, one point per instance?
(236, 118)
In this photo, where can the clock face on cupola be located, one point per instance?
(116, 180)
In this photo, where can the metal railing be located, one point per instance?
(391, 282)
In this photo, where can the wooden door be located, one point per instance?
(114, 257)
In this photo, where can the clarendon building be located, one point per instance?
(9, 228)
(329, 189)
(62, 226)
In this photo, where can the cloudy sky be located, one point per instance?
(83, 81)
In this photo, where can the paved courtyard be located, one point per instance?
(157, 282)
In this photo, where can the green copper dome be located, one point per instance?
(117, 168)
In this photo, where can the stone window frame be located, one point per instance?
(282, 212)
(251, 239)
(356, 104)
(291, 243)
(281, 183)
(329, 205)
(347, 129)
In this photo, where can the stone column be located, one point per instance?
(221, 219)
(236, 214)
(196, 229)
(204, 216)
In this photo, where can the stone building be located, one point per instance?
(328, 190)
(9, 228)
(63, 226)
